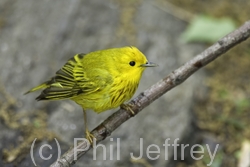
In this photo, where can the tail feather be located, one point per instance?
(42, 86)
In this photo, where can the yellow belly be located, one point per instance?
(110, 97)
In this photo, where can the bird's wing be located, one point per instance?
(71, 80)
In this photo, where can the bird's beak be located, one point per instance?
(149, 64)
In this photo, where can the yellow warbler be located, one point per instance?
(99, 80)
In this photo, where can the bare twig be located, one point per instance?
(148, 96)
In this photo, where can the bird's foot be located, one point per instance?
(128, 108)
(89, 137)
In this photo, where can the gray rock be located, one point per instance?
(38, 37)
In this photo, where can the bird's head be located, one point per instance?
(133, 62)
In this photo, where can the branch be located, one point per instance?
(155, 91)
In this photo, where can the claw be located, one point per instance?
(90, 137)
(128, 108)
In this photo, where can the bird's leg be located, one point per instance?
(127, 107)
(89, 136)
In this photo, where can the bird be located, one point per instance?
(98, 81)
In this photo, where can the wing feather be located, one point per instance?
(70, 81)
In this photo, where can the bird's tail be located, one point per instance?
(41, 86)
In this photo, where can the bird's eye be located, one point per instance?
(132, 63)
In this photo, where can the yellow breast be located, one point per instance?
(112, 96)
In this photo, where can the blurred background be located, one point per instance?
(211, 107)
